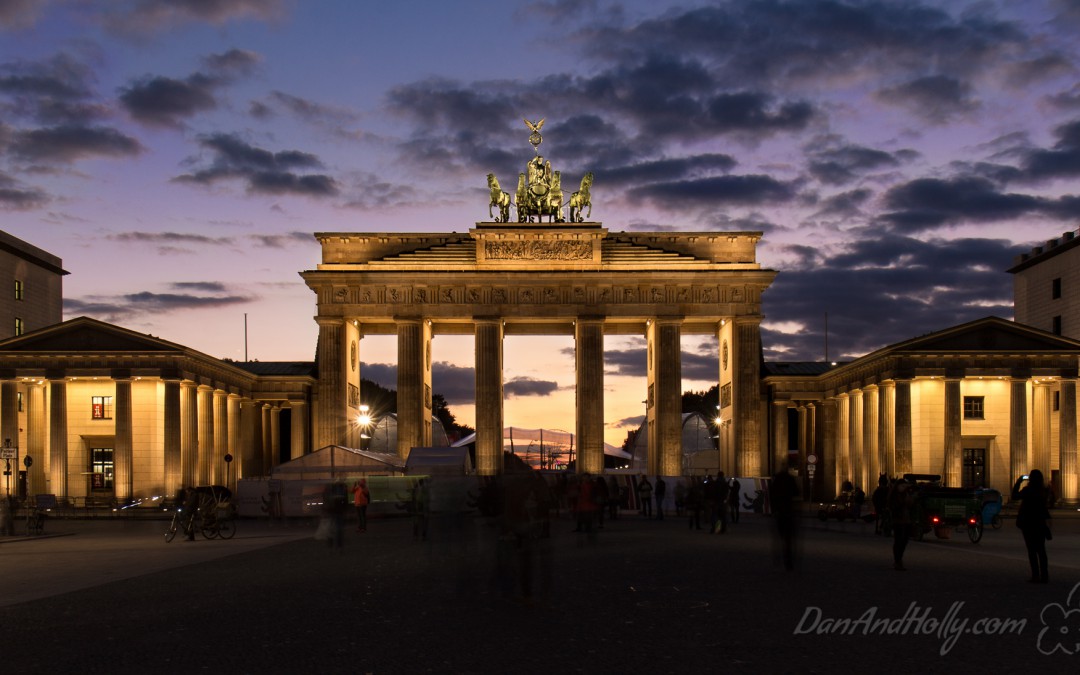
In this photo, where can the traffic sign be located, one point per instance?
(9, 453)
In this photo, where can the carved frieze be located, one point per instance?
(546, 295)
(540, 249)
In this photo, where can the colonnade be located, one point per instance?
(200, 424)
(861, 432)
(338, 338)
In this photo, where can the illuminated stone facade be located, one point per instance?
(978, 404)
(543, 279)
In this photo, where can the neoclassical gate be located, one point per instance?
(550, 279)
(557, 278)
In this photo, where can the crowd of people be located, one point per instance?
(522, 505)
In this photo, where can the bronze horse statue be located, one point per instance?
(581, 199)
(499, 198)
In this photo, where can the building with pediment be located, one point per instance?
(978, 404)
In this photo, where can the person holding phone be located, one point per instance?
(1033, 519)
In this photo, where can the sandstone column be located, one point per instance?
(829, 466)
(58, 435)
(221, 437)
(1018, 423)
(206, 435)
(36, 437)
(870, 437)
(886, 425)
(780, 435)
(414, 385)
(122, 447)
(855, 438)
(1040, 427)
(746, 394)
(275, 433)
(489, 396)
(843, 440)
(589, 394)
(953, 444)
(902, 423)
(664, 397)
(189, 434)
(171, 432)
(249, 462)
(1070, 480)
(332, 424)
(298, 430)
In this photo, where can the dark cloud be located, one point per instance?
(883, 290)
(927, 203)
(57, 90)
(284, 240)
(845, 163)
(1066, 100)
(630, 362)
(262, 171)
(233, 63)
(142, 17)
(368, 191)
(1023, 73)
(935, 98)
(666, 169)
(754, 112)
(528, 386)
(15, 196)
(169, 239)
(774, 42)
(19, 13)
(1063, 160)
(456, 384)
(628, 422)
(845, 203)
(157, 100)
(68, 143)
(204, 286)
(716, 191)
(164, 101)
(121, 308)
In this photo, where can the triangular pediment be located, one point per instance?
(84, 334)
(991, 334)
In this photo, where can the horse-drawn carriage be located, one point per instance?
(942, 510)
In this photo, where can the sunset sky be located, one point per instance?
(179, 154)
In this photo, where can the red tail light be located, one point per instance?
(935, 520)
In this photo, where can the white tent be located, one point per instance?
(335, 461)
(438, 462)
(699, 451)
(384, 435)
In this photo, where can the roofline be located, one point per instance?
(30, 253)
(1040, 254)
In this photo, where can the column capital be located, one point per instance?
(332, 321)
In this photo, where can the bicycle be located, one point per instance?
(217, 521)
(177, 524)
(35, 522)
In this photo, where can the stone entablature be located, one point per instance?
(561, 246)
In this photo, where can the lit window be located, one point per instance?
(101, 407)
(18, 289)
(19, 327)
(973, 408)
(18, 397)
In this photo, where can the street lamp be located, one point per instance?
(363, 420)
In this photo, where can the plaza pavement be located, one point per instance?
(644, 597)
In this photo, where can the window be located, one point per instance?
(1057, 401)
(18, 289)
(18, 397)
(101, 407)
(973, 408)
(1055, 289)
(1056, 327)
(101, 469)
(19, 326)
(973, 473)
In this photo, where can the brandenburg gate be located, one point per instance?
(566, 276)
